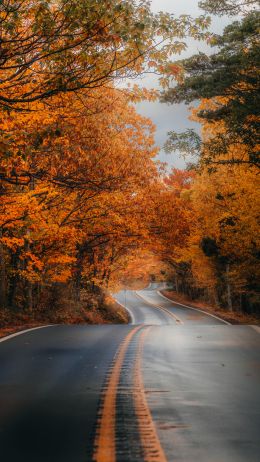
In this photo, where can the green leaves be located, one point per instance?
(230, 77)
(188, 142)
(227, 7)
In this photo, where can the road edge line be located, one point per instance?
(195, 309)
(8, 337)
(177, 320)
(132, 318)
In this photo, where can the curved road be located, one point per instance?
(148, 306)
(174, 385)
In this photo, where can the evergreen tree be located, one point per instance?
(230, 77)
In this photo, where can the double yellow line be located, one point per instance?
(161, 308)
(105, 444)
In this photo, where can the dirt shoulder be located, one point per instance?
(108, 313)
(232, 318)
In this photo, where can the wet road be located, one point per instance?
(148, 306)
(175, 385)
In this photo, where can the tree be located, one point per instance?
(227, 232)
(227, 7)
(76, 199)
(174, 218)
(230, 78)
(221, 249)
(51, 47)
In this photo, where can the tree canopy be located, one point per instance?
(85, 205)
(50, 47)
(228, 7)
(230, 77)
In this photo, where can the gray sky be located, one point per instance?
(168, 117)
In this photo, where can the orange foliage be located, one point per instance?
(77, 196)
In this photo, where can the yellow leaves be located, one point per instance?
(58, 268)
(12, 242)
(173, 69)
(136, 94)
(62, 276)
(33, 261)
(226, 205)
(203, 269)
(60, 260)
(91, 162)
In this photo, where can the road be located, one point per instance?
(150, 307)
(174, 385)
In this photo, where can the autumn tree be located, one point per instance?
(220, 255)
(174, 219)
(139, 268)
(223, 246)
(50, 47)
(72, 148)
(85, 205)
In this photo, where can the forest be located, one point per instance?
(86, 207)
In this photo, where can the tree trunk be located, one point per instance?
(78, 271)
(12, 291)
(216, 297)
(77, 283)
(29, 296)
(2, 276)
(176, 284)
(28, 284)
(229, 298)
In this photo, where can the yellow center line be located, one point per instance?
(159, 307)
(105, 446)
(105, 440)
(153, 451)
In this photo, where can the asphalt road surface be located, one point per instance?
(174, 385)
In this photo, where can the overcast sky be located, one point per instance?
(168, 117)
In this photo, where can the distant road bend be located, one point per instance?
(175, 385)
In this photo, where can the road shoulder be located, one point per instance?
(229, 317)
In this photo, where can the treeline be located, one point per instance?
(84, 206)
(78, 205)
(220, 259)
(77, 172)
